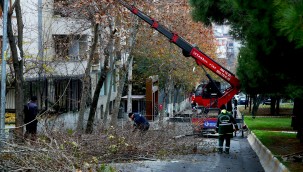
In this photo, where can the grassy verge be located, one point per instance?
(278, 136)
(268, 123)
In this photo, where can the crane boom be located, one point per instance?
(200, 58)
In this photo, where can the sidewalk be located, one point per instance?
(241, 158)
(267, 159)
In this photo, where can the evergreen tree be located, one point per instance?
(271, 32)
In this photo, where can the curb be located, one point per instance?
(267, 159)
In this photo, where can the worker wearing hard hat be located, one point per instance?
(226, 125)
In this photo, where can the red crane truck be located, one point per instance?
(208, 96)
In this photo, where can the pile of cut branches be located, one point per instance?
(66, 151)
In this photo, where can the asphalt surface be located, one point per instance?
(242, 158)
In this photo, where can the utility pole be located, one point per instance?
(3, 74)
(40, 36)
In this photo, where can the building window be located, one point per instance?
(61, 46)
(67, 95)
(70, 47)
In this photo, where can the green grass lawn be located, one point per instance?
(268, 123)
(274, 140)
(278, 136)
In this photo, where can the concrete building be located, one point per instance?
(228, 47)
(56, 48)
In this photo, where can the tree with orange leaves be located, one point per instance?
(166, 59)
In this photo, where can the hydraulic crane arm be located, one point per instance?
(190, 50)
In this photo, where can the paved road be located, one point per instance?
(241, 159)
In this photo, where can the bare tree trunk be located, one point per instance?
(108, 100)
(297, 120)
(92, 112)
(278, 105)
(109, 58)
(123, 73)
(18, 66)
(119, 94)
(177, 90)
(166, 93)
(173, 91)
(102, 78)
(273, 106)
(83, 101)
(129, 92)
(86, 82)
(162, 111)
(171, 94)
(93, 107)
(108, 64)
(255, 106)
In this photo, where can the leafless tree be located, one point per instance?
(17, 56)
